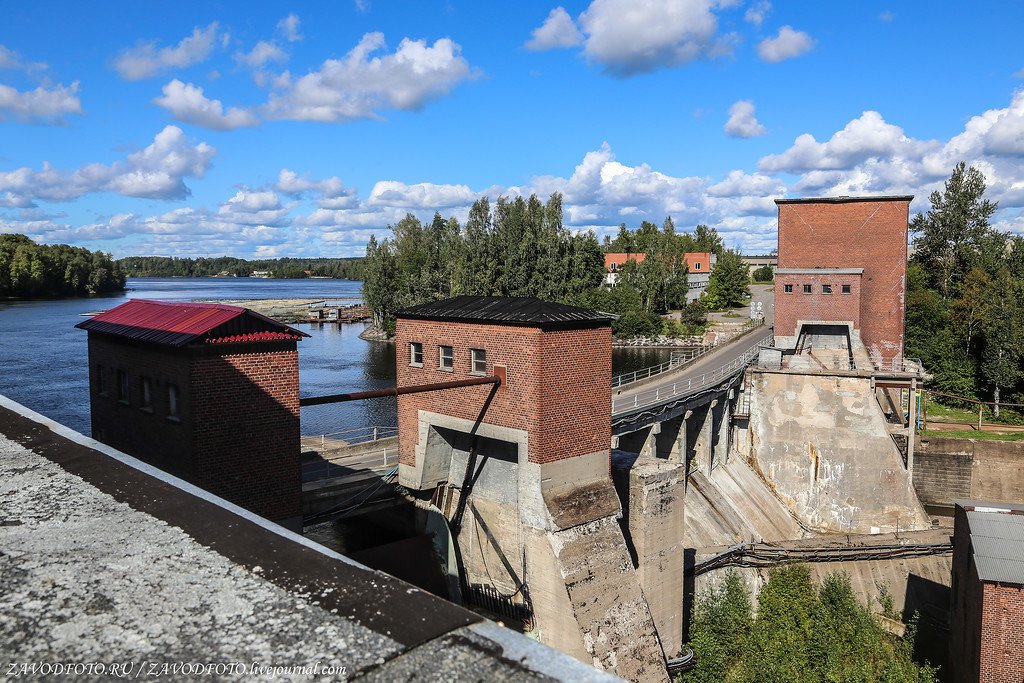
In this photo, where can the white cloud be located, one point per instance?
(289, 28)
(330, 193)
(146, 59)
(757, 12)
(558, 30)
(629, 37)
(41, 105)
(787, 44)
(187, 104)
(359, 85)
(887, 16)
(742, 123)
(392, 193)
(9, 59)
(253, 208)
(263, 52)
(155, 172)
(740, 184)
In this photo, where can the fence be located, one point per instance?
(357, 435)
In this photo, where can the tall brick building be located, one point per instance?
(843, 262)
(987, 618)
(207, 392)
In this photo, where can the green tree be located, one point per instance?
(1001, 365)
(719, 630)
(764, 274)
(728, 284)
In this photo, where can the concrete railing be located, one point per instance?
(683, 387)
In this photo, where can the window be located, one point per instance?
(696, 265)
(826, 289)
(846, 289)
(445, 357)
(147, 394)
(788, 289)
(615, 266)
(807, 289)
(101, 380)
(478, 363)
(416, 354)
(122, 386)
(173, 407)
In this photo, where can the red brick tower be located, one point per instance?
(207, 392)
(843, 260)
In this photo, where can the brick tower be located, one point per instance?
(207, 392)
(536, 516)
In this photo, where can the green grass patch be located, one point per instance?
(972, 434)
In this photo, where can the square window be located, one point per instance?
(122, 386)
(807, 289)
(478, 362)
(788, 289)
(101, 380)
(173, 406)
(826, 289)
(416, 354)
(445, 358)
(846, 289)
(147, 394)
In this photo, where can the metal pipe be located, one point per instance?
(398, 391)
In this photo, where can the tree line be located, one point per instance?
(965, 294)
(168, 266)
(801, 633)
(30, 270)
(521, 247)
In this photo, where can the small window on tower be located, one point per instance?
(826, 289)
(478, 363)
(416, 354)
(445, 358)
(846, 289)
(101, 380)
(173, 405)
(122, 386)
(147, 394)
(788, 289)
(807, 289)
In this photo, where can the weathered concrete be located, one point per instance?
(823, 443)
(948, 469)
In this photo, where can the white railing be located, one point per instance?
(910, 365)
(678, 359)
(350, 437)
(683, 387)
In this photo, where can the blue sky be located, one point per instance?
(274, 129)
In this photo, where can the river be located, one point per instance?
(43, 357)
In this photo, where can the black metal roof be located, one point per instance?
(507, 310)
(844, 198)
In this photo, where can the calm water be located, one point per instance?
(43, 357)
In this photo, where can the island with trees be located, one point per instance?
(35, 271)
(229, 266)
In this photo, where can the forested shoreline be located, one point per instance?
(229, 266)
(37, 271)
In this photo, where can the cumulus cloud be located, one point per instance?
(41, 105)
(186, 103)
(419, 195)
(9, 59)
(289, 28)
(147, 59)
(787, 44)
(330, 193)
(757, 12)
(360, 84)
(558, 30)
(742, 123)
(156, 172)
(630, 37)
(263, 52)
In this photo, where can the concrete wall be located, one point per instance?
(946, 469)
(823, 444)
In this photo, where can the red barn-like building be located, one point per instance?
(843, 264)
(207, 392)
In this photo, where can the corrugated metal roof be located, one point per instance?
(178, 324)
(998, 542)
(842, 199)
(508, 310)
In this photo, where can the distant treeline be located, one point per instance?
(166, 266)
(30, 270)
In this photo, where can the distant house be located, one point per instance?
(760, 260)
(699, 265)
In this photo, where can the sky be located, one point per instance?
(276, 129)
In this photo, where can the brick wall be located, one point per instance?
(1002, 633)
(941, 477)
(859, 234)
(791, 307)
(245, 410)
(558, 385)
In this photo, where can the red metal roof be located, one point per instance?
(178, 324)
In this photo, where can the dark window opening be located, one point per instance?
(416, 354)
(826, 289)
(122, 386)
(101, 380)
(173, 406)
(788, 289)
(846, 289)
(147, 394)
(807, 289)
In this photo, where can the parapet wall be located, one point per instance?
(822, 442)
(947, 469)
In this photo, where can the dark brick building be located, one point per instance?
(207, 392)
(987, 615)
(843, 260)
